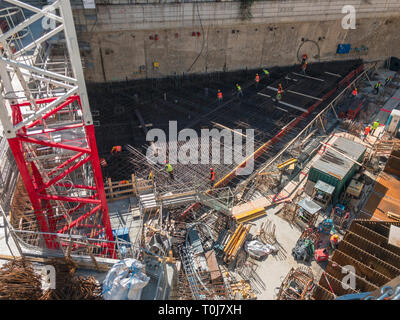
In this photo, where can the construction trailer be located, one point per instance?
(337, 164)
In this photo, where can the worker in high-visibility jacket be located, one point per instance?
(116, 149)
(334, 241)
(239, 90)
(169, 170)
(387, 80)
(212, 176)
(266, 72)
(124, 182)
(103, 162)
(151, 176)
(375, 126)
(354, 92)
(303, 59)
(257, 80)
(377, 86)
(366, 132)
(280, 91)
(219, 96)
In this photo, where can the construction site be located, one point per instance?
(139, 164)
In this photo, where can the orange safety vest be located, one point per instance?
(124, 182)
(116, 149)
(219, 95)
(212, 175)
(257, 78)
(280, 90)
(103, 162)
(354, 92)
(367, 130)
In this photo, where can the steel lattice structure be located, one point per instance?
(52, 136)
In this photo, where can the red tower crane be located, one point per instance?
(46, 118)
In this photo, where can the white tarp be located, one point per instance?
(259, 249)
(125, 281)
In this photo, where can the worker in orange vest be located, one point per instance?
(212, 176)
(355, 92)
(366, 131)
(304, 59)
(116, 149)
(124, 182)
(280, 91)
(257, 80)
(103, 162)
(219, 95)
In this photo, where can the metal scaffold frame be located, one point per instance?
(57, 159)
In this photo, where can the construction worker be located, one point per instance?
(103, 162)
(280, 91)
(212, 176)
(366, 131)
(334, 241)
(124, 182)
(375, 125)
(304, 59)
(354, 92)
(266, 72)
(257, 80)
(239, 89)
(387, 80)
(116, 149)
(219, 96)
(151, 176)
(377, 87)
(304, 67)
(170, 171)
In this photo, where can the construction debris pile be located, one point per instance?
(19, 281)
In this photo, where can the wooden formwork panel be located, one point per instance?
(335, 270)
(373, 248)
(369, 259)
(361, 269)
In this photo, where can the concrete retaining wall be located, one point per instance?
(119, 46)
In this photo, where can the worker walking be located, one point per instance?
(377, 86)
(116, 149)
(257, 80)
(170, 171)
(212, 176)
(219, 96)
(239, 90)
(366, 132)
(280, 91)
(375, 125)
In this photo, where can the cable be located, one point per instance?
(202, 46)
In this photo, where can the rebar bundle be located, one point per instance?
(18, 281)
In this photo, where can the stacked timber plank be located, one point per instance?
(250, 210)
